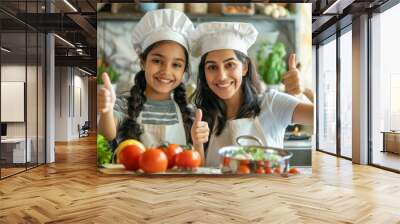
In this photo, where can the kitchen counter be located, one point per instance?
(118, 169)
(297, 144)
(301, 150)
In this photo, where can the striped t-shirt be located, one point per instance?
(154, 112)
(159, 112)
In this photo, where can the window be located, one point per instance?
(346, 94)
(327, 97)
(385, 85)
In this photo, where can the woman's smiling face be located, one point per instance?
(164, 68)
(224, 73)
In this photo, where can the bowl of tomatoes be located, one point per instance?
(253, 159)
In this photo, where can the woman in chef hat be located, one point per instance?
(228, 90)
(157, 109)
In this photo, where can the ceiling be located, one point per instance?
(332, 15)
(76, 24)
(79, 27)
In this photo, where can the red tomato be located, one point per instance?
(172, 151)
(129, 156)
(244, 169)
(188, 159)
(260, 163)
(294, 170)
(267, 164)
(260, 170)
(227, 160)
(153, 161)
(244, 162)
(268, 170)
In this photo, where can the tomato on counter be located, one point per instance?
(268, 170)
(227, 160)
(244, 169)
(153, 160)
(171, 150)
(128, 153)
(188, 159)
(260, 163)
(293, 170)
(278, 170)
(244, 162)
(260, 170)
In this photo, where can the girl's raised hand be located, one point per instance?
(200, 130)
(105, 96)
(291, 79)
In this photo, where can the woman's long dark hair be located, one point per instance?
(214, 109)
(130, 129)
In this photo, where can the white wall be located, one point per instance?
(13, 73)
(81, 82)
(80, 100)
(69, 85)
(61, 104)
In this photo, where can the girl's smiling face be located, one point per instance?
(224, 73)
(164, 67)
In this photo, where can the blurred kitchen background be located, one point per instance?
(281, 26)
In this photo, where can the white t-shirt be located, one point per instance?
(276, 114)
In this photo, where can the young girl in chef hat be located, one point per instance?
(157, 109)
(228, 90)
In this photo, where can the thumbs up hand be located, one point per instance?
(291, 79)
(200, 130)
(105, 96)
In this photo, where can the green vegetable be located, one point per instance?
(254, 153)
(258, 154)
(104, 153)
(112, 73)
(271, 63)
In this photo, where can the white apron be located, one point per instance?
(232, 130)
(156, 134)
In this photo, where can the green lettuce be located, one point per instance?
(104, 153)
(271, 62)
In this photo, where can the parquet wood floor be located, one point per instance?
(72, 191)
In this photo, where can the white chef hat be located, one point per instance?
(163, 24)
(222, 35)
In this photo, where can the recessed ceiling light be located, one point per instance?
(64, 40)
(84, 71)
(5, 49)
(70, 5)
(337, 7)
